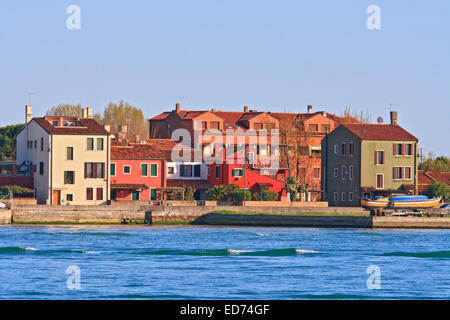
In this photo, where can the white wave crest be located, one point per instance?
(263, 234)
(303, 251)
(30, 249)
(236, 252)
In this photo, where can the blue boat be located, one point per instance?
(408, 198)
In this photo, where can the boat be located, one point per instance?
(380, 202)
(415, 202)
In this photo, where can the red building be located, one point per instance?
(137, 172)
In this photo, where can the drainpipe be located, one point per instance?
(108, 160)
(51, 170)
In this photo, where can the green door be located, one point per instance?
(113, 194)
(134, 195)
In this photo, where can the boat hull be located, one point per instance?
(419, 204)
(374, 203)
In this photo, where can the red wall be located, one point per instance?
(136, 177)
(26, 182)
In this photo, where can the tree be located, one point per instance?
(189, 195)
(355, 116)
(292, 187)
(66, 110)
(439, 189)
(8, 137)
(431, 162)
(124, 113)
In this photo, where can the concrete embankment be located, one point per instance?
(412, 222)
(5, 217)
(333, 217)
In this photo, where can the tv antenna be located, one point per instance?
(29, 97)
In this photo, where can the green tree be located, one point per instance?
(66, 110)
(439, 189)
(292, 187)
(8, 137)
(189, 195)
(220, 192)
(435, 163)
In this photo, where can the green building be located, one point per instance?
(367, 160)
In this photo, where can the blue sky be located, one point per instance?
(224, 54)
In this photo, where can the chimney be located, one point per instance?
(107, 128)
(61, 121)
(89, 112)
(310, 109)
(245, 109)
(394, 117)
(122, 134)
(84, 113)
(177, 108)
(27, 113)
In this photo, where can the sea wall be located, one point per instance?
(5, 217)
(412, 222)
(77, 214)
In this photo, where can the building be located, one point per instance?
(70, 157)
(13, 175)
(297, 149)
(365, 160)
(426, 178)
(138, 172)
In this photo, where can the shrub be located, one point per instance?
(439, 189)
(238, 195)
(268, 195)
(220, 192)
(189, 194)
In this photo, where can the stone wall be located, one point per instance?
(412, 222)
(5, 216)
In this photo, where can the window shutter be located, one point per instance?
(375, 157)
(395, 173)
(395, 149)
(94, 170)
(403, 149)
(85, 170)
(382, 157)
(182, 170)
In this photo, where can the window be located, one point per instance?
(152, 194)
(350, 196)
(258, 126)
(90, 144)
(126, 169)
(89, 194)
(250, 157)
(215, 125)
(29, 144)
(69, 177)
(343, 149)
(113, 169)
(154, 170)
(336, 149)
(185, 170)
(209, 171)
(144, 169)
(336, 172)
(380, 181)
(170, 170)
(408, 173)
(335, 196)
(350, 172)
(203, 125)
(351, 149)
(35, 144)
(343, 196)
(217, 172)
(343, 172)
(379, 157)
(408, 149)
(197, 170)
(99, 193)
(316, 173)
(325, 128)
(398, 173)
(69, 197)
(41, 168)
(100, 144)
(302, 172)
(94, 170)
(42, 144)
(313, 128)
(238, 172)
(69, 153)
(398, 149)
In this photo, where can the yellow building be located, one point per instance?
(70, 156)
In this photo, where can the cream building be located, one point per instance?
(70, 156)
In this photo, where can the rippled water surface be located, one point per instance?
(222, 263)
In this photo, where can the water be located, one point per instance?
(222, 263)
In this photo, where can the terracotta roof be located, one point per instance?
(434, 175)
(379, 131)
(84, 126)
(161, 116)
(196, 184)
(137, 151)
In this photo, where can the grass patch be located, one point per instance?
(304, 214)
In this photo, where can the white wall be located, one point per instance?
(176, 175)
